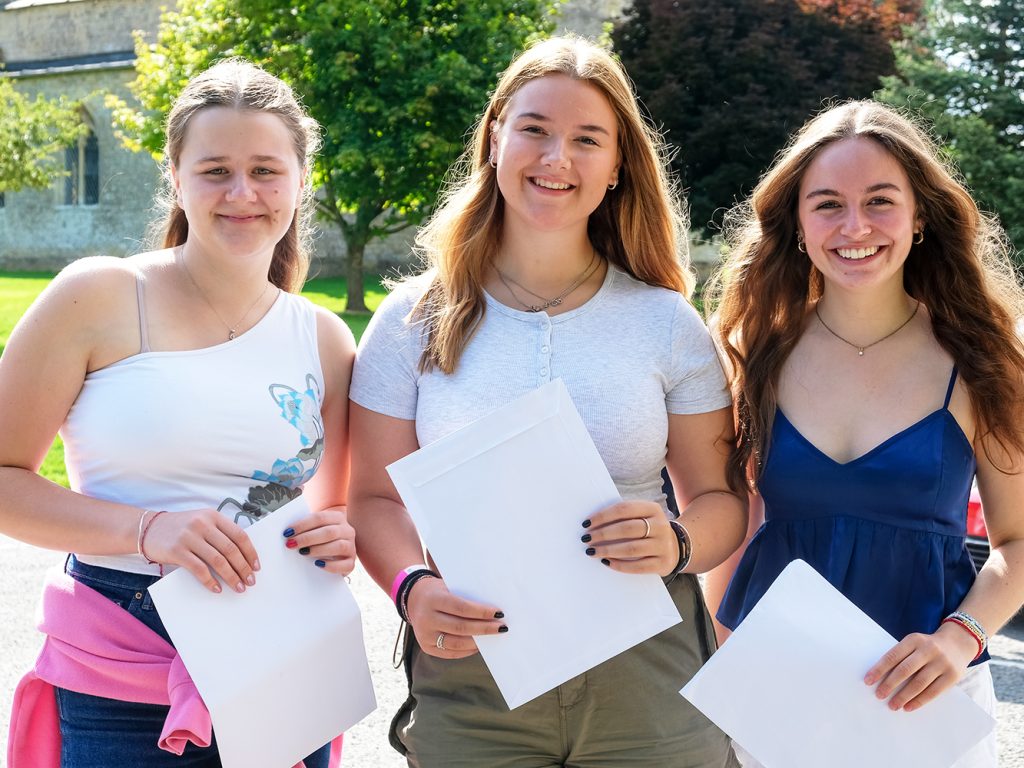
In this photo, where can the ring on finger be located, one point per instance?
(440, 641)
(648, 524)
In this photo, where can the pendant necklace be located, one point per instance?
(858, 347)
(232, 329)
(508, 282)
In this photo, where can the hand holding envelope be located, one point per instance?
(530, 471)
(788, 687)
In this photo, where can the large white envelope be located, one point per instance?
(499, 504)
(282, 667)
(788, 687)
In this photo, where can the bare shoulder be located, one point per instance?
(333, 333)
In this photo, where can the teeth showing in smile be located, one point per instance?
(856, 254)
(551, 184)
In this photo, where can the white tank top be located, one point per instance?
(235, 427)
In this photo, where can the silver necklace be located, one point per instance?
(858, 347)
(232, 329)
(506, 281)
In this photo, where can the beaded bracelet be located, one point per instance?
(971, 625)
(685, 547)
(402, 598)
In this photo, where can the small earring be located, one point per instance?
(493, 162)
(800, 244)
(919, 237)
(613, 185)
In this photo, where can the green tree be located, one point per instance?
(963, 69)
(395, 84)
(32, 133)
(731, 80)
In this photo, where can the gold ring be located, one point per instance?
(440, 641)
(648, 524)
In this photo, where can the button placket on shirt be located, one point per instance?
(544, 354)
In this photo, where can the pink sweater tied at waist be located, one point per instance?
(93, 646)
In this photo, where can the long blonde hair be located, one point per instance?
(639, 226)
(238, 84)
(960, 271)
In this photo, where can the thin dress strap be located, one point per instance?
(143, 331)
(949, 389)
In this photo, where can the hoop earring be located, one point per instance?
(493, 163)
(919, 237)
(800, 244)
(613, 185)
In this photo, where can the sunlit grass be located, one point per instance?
(19, 289)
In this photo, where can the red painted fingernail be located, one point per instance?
(291, 543)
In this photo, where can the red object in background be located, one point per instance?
(975, 519)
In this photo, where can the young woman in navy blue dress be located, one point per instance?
(869, 314)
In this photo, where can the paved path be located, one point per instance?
(366, 746)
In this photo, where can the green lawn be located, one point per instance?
(19, 289)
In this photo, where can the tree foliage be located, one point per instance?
(730, 81)
(32, 134)
(963, 69)
(395, 84)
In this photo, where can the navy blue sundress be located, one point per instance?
(886, 529)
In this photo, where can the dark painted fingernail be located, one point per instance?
(289, 532)
(320, 563)
(503, 628)
(291, 543)
(586, 523)
(499, 614)
(585, 538)
(303, 550)
(591, 551)
(606, 561)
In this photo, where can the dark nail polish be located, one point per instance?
(503, 628)
(499, 614)
(585, 538)
(320, 563)
(591, 551)
(606, 561)
(289, 532)
(291, 543)
(586, 523)
(303, 550)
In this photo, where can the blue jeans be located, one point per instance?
(106, 733)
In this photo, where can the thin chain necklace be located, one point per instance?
(506, 280)
(858, 347)
(232, 329)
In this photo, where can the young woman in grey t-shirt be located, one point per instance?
(558, 254)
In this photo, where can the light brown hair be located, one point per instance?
(639, 226)
(238, 84)
(960, 271)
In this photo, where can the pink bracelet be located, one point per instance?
(401, 576)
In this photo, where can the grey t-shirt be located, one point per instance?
(630, 356)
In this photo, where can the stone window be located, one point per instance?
(82, 163)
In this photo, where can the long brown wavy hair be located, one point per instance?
(961, 272)
(238, 84)
(639, 226)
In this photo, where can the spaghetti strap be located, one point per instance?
(949, 389)
(143, 330)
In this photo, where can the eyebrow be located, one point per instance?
(834, 193)
(537, 116)
(254, 158)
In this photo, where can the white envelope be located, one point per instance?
(499, 504)
(282, 667)
(788, 687)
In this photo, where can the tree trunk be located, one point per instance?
(356, 247)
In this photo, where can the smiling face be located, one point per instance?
(556, 148)
(858, 214)
(238, 180)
